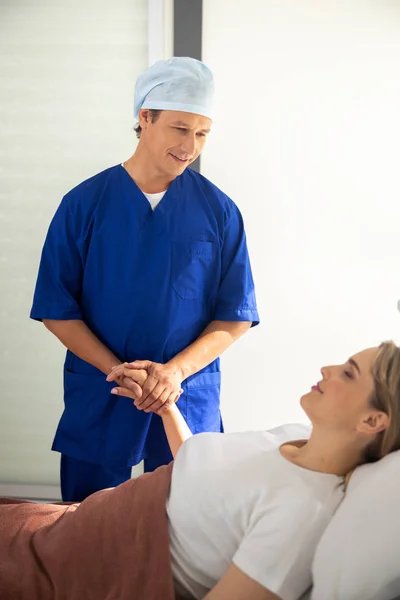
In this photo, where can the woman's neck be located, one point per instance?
(146, 176)
(325, 452)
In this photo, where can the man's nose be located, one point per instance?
(189, 145)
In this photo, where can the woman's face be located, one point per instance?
(341, 400)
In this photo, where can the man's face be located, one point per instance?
(174, 140)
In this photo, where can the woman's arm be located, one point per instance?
(175, 426)
(236, 585)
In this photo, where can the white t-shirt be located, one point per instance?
(235, 498)
(154, 199)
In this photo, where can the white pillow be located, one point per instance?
(358, 556)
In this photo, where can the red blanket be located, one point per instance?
(112, 546)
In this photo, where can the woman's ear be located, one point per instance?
(374, 423)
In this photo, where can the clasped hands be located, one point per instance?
(152, 386)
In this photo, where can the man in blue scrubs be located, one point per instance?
(146, 261)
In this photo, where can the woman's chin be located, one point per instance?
(305, 404)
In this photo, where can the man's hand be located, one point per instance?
(161, 388)
(128, 380)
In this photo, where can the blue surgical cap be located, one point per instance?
(182, 84)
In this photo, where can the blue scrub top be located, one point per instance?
(147, 284)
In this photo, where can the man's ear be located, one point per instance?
(144, 117)
(374, 423)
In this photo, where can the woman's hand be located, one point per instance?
(139, 385)
(162, 387)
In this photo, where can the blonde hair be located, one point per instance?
(386, 398)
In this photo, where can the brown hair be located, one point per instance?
(154, 115)
(386, 398)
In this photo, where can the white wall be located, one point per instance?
(307, 144)
(67, 72)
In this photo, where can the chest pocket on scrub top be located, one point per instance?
(193, 268)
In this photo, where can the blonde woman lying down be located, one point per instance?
(246, 510)
(235, 517)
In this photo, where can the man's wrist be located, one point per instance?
(178, 369)
(108, 365)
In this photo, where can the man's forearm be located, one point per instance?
(212, 342)
(82, 342)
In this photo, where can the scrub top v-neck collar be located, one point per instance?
(167, 203)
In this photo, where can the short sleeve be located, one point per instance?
(236, 300)
(58, 284)
(278, 550)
